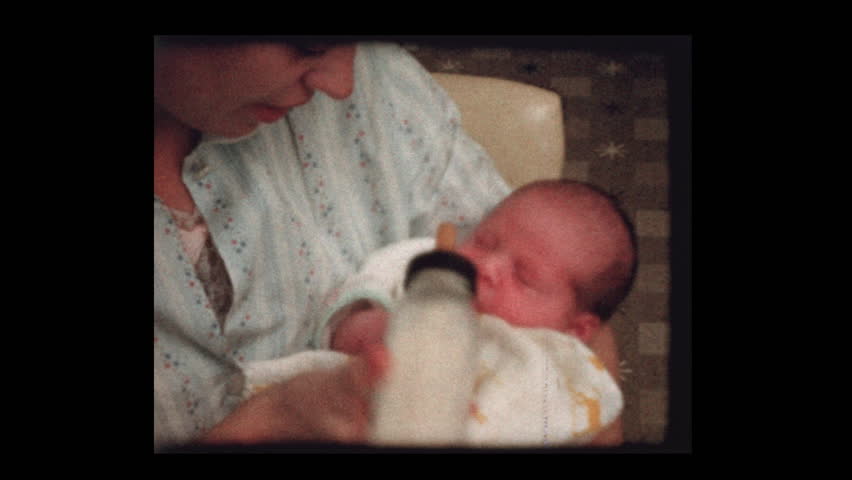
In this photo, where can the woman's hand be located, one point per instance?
(606, 348)
(321, 406)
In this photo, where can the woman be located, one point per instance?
(279, 164)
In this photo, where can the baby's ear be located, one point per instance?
(584, 326)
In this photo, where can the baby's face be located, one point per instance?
(529, 254)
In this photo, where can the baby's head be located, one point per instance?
(556, 254)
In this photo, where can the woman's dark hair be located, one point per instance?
(298, 41)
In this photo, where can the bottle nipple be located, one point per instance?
(445, 239)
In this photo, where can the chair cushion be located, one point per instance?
(519, 125)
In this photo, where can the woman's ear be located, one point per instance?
(584, 326)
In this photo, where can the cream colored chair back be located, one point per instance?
(519, 125)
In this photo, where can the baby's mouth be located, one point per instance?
(477, 305)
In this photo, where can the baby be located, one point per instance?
(553, 261)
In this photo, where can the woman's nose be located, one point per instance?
(333, 73)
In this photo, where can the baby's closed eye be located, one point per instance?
(484, 240)
(526, 275)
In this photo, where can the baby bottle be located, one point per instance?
(425, 397)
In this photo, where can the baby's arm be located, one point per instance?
(363, 299)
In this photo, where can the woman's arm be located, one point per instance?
(325, 405)
(605, 347)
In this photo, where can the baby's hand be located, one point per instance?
(361, 329)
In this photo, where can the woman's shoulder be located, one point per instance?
(392, 69)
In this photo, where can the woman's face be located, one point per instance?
(230, 90)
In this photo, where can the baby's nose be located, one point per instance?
(491, 269)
